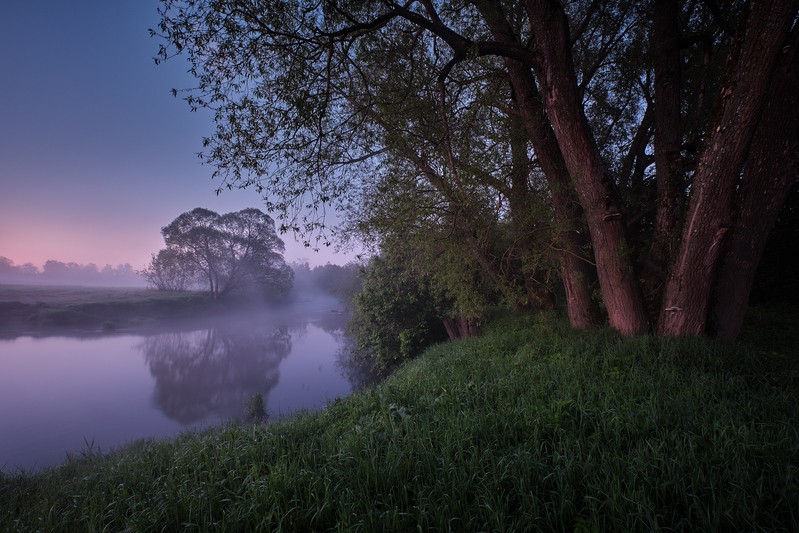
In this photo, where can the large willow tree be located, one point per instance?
(237, 252)
(666, 128)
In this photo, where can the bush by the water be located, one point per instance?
(395, 316)
(531, 427)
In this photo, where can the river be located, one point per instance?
(67, 394)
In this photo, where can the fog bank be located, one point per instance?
(60, 273)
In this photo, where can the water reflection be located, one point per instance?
(212, 372)
(357, 370)
(59, 392)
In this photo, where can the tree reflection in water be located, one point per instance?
(212, 372)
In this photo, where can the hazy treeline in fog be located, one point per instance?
(59, 273)
(342, 281)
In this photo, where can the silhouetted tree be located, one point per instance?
(234, 252)
(170, 270)
(58, 272)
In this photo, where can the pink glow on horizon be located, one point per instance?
(96, 155)
(78, 245)
(88, 241)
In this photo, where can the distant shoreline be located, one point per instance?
(45, 310)
(37, 310)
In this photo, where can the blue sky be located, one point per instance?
(96, 155)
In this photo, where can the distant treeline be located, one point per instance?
(343, 281)
(340, 280)
(60, 273)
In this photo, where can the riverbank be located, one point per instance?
(85, 311)
(530, 427)
(36, 310)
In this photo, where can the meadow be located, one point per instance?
(42, 309)
(531, 427)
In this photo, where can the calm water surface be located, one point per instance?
(59, 394)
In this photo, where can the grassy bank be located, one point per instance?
(531, 427)
(43, 308)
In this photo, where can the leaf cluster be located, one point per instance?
(237, 252)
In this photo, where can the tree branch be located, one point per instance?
(586, 20)
(718, 16)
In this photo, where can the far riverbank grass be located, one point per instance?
(45, 309)
(531, 427)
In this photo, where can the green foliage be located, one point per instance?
(256, 408)
(530, 427)
(342, 281)
(457, 279)
(232, 253)
(395, 316)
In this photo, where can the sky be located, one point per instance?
(96, 154)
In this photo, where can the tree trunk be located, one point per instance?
(748, 74)
(461, 327)
(576, 270)
(555, 71)
(522, 210)
(771, 172)
(452, 329)
(670, 202)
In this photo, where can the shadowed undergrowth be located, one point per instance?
(530, 427)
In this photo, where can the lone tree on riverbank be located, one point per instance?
(230, 253)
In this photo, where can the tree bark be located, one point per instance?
(670, 201)
(576, 270)
(555, 71)
(772, 171)
(451, 327)
(461, 327)
(748, 74)
(539, 296)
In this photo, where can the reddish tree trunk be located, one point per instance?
(620, 290)
(771, 172)
(462, 327)
(576, 271)
(452, 329)
(670, 202)
(575, 268)
(709, 218)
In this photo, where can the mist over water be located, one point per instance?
(59, 394)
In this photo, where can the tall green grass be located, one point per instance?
(531, 427)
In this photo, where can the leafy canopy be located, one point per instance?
(236, 252)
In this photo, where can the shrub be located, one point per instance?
(395, 316)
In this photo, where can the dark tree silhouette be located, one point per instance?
(235, 252)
